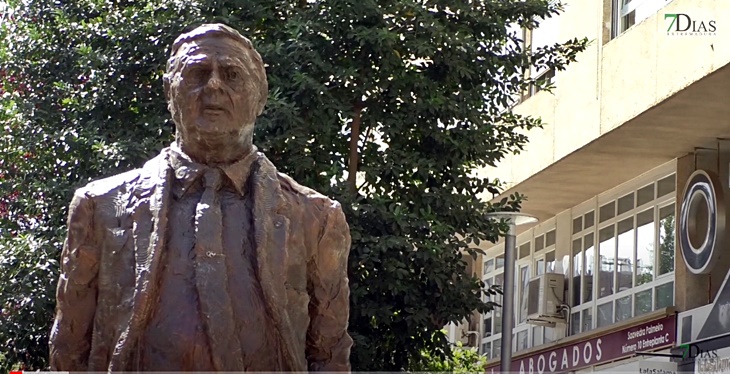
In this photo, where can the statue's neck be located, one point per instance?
(213, 152)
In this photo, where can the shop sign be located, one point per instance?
(626, 342)
(657, 367)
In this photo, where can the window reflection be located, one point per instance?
(550, 262)
(605, 314)
(607, 261)
(623, 308)
(524, 281)
(540, 266)
(588, 258)
(499, 281)
(499, 262)
(587, 323)
(575, 323)
(645, 247)
(489, 266)
(522, 340)
(577, 269)
(666, 239)
(497, 348)
(536, 335)
(665, 295)
(642, 301)
(487, 349)
(624, 261)
(549, 335)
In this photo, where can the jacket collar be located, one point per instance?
(187, 172)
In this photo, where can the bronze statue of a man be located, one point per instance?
(206, 258)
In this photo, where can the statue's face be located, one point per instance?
(213, 93)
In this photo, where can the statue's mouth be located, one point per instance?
(214, 109)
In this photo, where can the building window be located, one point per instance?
(632, 251)
(627, 13)
(535, 256)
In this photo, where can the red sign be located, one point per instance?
(617, 344)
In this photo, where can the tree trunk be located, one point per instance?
(354, 155)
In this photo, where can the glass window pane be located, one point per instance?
(550, 262)
(550, 238)
(588, 220)
(487, 349)
(664, 295)
(577, 224)
(666, 239)
(577, 269)
(589, 255)
(645, 195)
(626, 203)
(625, 258)
(607, 211)
(666, 185)
(623, 308)
(499, 262)
(539, 243)
(499, 281)
(524, 250)
(522, 340)
(524, 281)
(497, 348)
(488, 285)
(536, 336)
(605, 314)
(645, 247)
(487, 327)
(488, 266)
(575, 323)
(549, 335)
(628, 21)
(540, 267)
(587, 322)
(642, 301)
(607, 261)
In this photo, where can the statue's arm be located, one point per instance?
(328, 343)
(70, 340)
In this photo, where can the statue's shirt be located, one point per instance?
(176, 338)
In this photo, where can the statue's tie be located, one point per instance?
(211, 278)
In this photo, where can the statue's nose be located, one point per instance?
(214, 81)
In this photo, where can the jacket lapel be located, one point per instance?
(271, 229)
(150, 199)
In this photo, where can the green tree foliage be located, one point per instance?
(388, 106)
(462, 360)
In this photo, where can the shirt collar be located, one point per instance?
(188, 171)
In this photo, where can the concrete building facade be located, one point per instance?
(643, 108)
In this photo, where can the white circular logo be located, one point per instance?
(701, 221)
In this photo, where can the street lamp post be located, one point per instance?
(513, 219)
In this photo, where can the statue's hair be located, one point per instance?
(253, 59)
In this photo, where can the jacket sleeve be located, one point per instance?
(70, 340)
(328, 343)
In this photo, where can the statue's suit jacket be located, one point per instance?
(112, 259)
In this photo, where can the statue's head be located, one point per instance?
(215, 85)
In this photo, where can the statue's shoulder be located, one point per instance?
(124, 182)
(303, 194)
(110, 185)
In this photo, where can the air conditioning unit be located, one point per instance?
(545, 297)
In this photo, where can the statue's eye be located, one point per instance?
(232, 75)
(199, 75)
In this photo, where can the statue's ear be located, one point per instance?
(166, 86)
